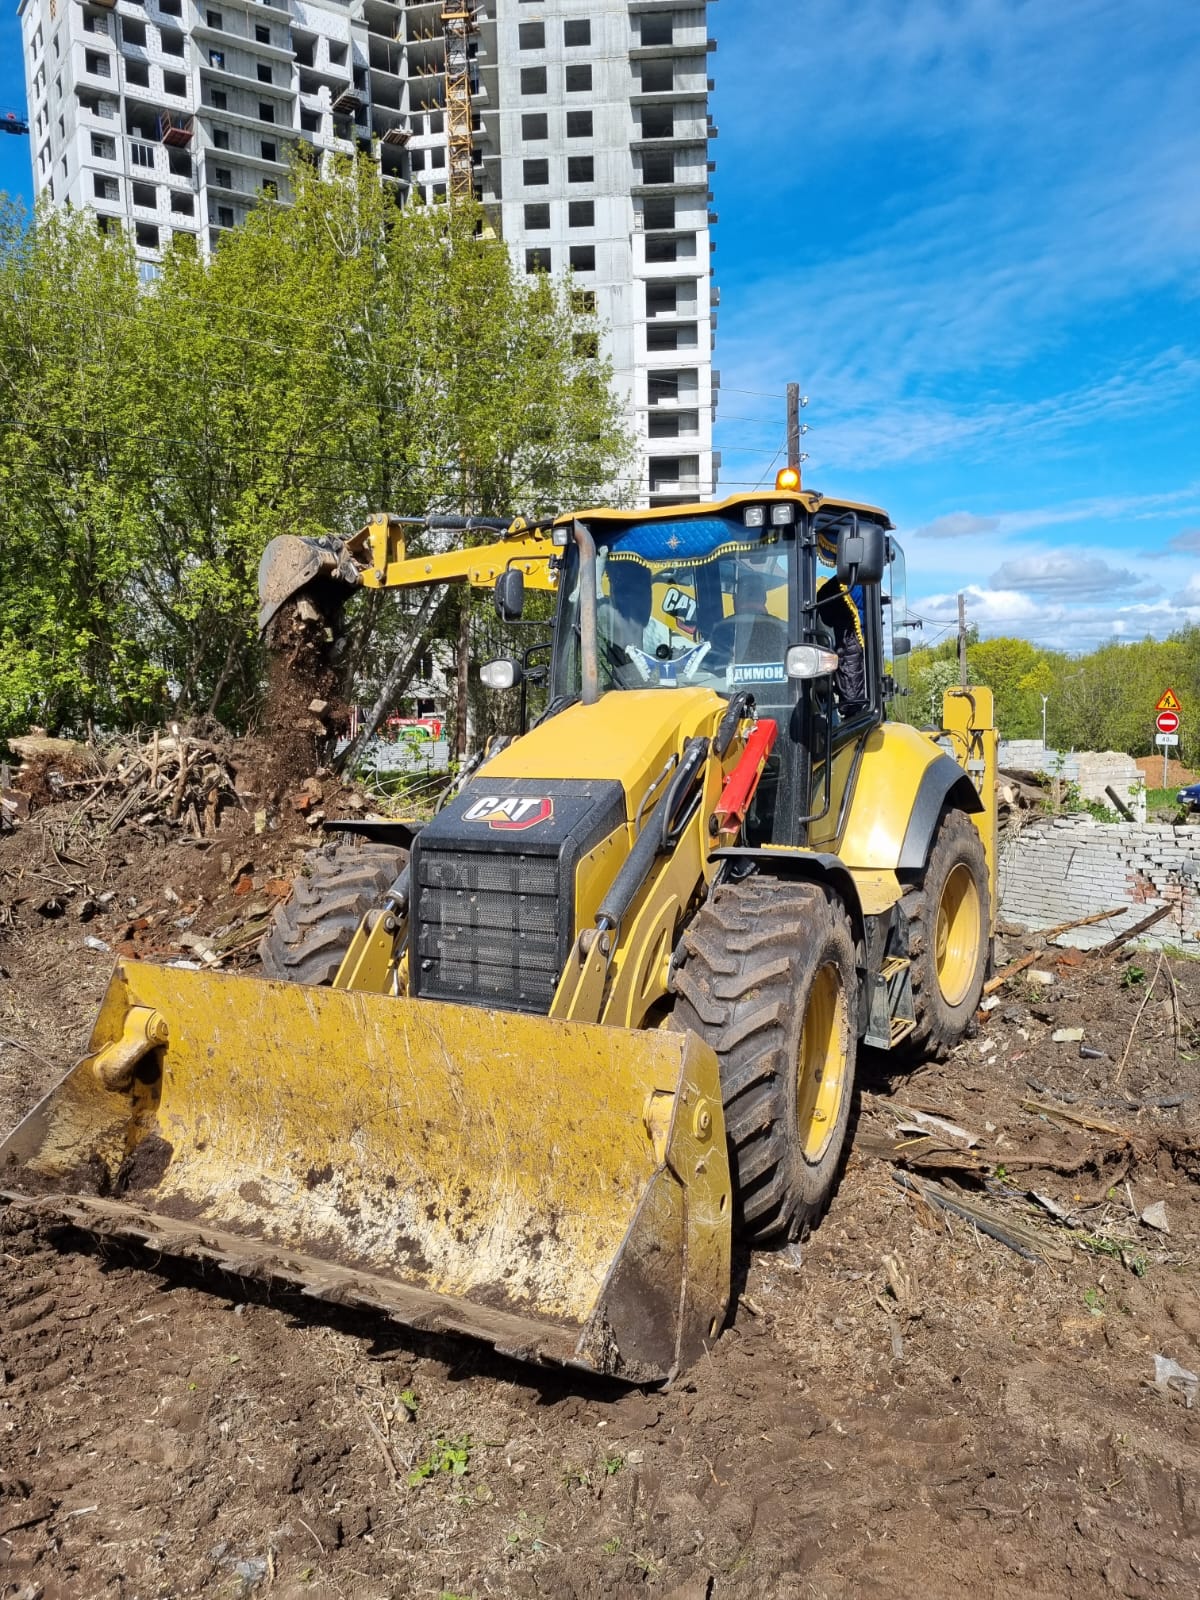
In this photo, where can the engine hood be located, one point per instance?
(626, 737)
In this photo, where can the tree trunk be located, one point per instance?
(462, 674)
(398, 675)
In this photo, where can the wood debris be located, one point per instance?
(172, 779)
(1026, 1240)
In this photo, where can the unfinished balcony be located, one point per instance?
(349, 102)
(175, 130)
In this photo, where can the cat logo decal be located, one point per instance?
(511, 813)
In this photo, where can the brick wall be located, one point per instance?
(1057, 869)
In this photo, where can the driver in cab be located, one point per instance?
(625, 622)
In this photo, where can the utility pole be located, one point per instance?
(795, 403)
(962, 640)
(1045, 702)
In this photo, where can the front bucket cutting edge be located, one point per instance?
(560, 1190)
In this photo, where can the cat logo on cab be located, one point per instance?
(511, 813)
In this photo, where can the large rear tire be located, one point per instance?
(948, 922)
(311, 932)
(769, 981)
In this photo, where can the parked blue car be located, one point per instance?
(1190, 797)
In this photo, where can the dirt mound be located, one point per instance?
(1151, 769)
(920, 1402)
(112, 867)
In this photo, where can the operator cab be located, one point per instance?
(785, 596)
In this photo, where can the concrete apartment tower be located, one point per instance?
(589, 133)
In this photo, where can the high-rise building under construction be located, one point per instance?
(581, 124)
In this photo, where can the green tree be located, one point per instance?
(1014, 670)
(73, 646)
(335, 357)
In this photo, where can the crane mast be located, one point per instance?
(458, 18)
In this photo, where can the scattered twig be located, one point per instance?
(313, 1532)
(29, 1051)
(1027, 960)
(924, 1119)
(1080, 922)
(1138, 1018)
(184, 781)
(1063, 1115)
(1011, 971)
(1175, 1010)
(383, 1445)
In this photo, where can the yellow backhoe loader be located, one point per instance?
(520, 1072)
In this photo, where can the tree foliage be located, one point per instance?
(337, 356)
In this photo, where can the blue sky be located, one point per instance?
(970, 229)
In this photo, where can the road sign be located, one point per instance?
(1169, 702)
(1167, 722)
(1165, 739)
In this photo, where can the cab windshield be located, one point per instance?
(701, 601)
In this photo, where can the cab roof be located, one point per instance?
(811, 501)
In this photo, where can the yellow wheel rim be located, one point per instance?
(956, 935)
(821, 1066)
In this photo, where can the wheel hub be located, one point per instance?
(821, 1066)
(956, 934)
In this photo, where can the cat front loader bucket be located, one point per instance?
(559, 1190)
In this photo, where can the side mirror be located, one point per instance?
(901, 645)
(502, 674)
(510, 594)
(862, 553)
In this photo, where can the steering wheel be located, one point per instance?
(725, 637)
(666, 672)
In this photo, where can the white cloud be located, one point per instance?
(1069, 573)
(956, 525)
(992, 609)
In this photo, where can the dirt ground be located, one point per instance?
(906, 1407)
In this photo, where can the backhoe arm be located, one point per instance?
(327, 569)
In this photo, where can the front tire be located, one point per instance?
(311, 932)
(769, 981)
(948, 922)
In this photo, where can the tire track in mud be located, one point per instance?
(149, 1430)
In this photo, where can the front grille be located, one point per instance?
(487, 928)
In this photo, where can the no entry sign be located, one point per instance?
(1167, 722)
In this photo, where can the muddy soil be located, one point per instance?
(302, 694)
(957, 1418)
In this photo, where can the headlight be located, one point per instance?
(755, 516)
(783, 514)
(810, 661)
(502, 674)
